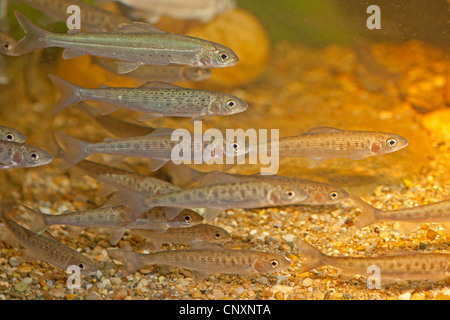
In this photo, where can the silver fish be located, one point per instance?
(201, 10)
(203, 259)
(92, 18)
(159, 73)
(46, 247)
(200, 232)
(133, 44)
(408, 217)
(157, 146)
(322, 143)
(116, 218)
(153, 99)
(393, 266)
(228, 192)
(318, 193)
(11, 134)
(21, 155)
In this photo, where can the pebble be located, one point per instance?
(263, 280)
(92, 295)
(20, 287)
(27, 280)
(405, 296)
(14, 261)
(218, 294)
(307, 282)
(279, 295)
(56, 292)
(289, 237)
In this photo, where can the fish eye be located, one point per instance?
(7, 46)
(81, 266)
(235, 146)
(217, 235)
(274, 263)
(10, 136)
(230, 104)
(333, 195)
(223, 56)
(290, 194)
(391, 142)
(34, 156)
(187, 218)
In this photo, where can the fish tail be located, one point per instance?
(131, 260)
(76, 150)
(368, 214)
(34, 36)
(39, 222)
(314, 258)
(70, 93)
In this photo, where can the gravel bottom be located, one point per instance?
(299, 90)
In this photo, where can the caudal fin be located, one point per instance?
(34, 36)
(368, 214)
(70, 93)
(75, 149)
(131, 260)
(39, 223)
(314, 258)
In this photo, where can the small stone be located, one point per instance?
(418, 296)
(70, 296)
(307, 282)
(27, 280)
(263, 281)
(196, 294)
(431, 234)
(319, 295)
(289, 237)
(56, 292)
(93, 296)
(279, 295)
(218, 294)
(116, 281)
(20, 287)
(405, 296)
(119, 293)
(24, 270)
(14, 261)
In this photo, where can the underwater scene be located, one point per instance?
(224, 150)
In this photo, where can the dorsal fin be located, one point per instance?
(322, 129)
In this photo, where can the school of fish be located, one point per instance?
(169, 211)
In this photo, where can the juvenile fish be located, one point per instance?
(133, 44)
(21, 155)
(11, 134)
(157, 146)
(204, 259)
(153, 99)
(159, 73)
(118, 127)
(92, 18)
(433, 212)
(316, 193)
(201, 10)
(393, 267)
(117, 218)
(244, 192)
(322, 143)
(46, 247)
(200, 232)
